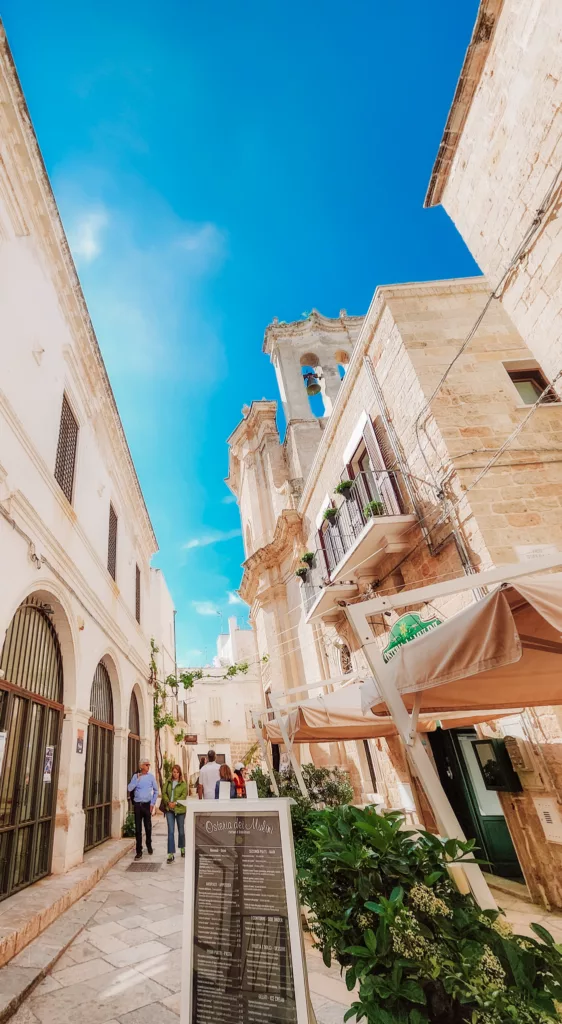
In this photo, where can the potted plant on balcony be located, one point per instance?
(344, 488)
(373, 508)
(308, 558)
(302, 573)
(330, 514)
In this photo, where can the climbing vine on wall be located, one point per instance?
(187, 680)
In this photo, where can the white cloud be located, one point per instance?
(213, 537)
(145, 273)
(234, 598)
(206, 242)
(229, 499)
(85, 234)
(205, 608)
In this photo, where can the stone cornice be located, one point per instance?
(313, 324)
(259, 420)
(32, 208)
(473, 66)
(287, 528)
(76, 583)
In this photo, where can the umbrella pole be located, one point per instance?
(265, 753)
(444, 815)
(296, 766)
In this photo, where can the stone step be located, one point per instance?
(32, 933)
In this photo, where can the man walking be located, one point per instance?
(144, 791)
(209, 775)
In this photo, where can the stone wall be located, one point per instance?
(507, 157)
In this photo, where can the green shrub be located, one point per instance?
(343, 487)
(326, 787)
(128, 829)
(308, 558)
(384, 906)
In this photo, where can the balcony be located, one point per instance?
(369, 524)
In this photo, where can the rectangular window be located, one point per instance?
(66, 450)
(112, 543)
(531, 384)
(137, 593)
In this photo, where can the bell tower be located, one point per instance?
(310, 357)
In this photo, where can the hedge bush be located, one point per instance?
(385, 908)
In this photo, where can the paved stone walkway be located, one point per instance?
(125, 966)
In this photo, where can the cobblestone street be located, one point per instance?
(125, 966)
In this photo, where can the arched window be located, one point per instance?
(133, 741)
(310, 364)
(31, 710)
(342, 359)
(98, 777)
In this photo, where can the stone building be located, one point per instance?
(498, 172)
(218, 708)
(431, 495)
(79, 601)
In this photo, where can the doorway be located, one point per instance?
(31, 711)
(478, 809)
(98, 777)
(133, 740)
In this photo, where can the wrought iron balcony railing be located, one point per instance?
(369, 497)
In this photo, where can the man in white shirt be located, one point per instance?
(208, 777)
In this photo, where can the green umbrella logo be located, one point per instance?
(407, 628)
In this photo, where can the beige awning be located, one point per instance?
(338, 716)
(504, 650)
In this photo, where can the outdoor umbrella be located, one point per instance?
(338, 716)
(503, 650)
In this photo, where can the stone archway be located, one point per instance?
(31, 714)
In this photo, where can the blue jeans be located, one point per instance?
(172, 819)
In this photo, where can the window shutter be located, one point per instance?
(373, 450)
(66, 450)
(137, 593)
(384, 481)
(215, 709)
(112, 543)
(385, 449)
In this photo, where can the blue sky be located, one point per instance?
(216, 165)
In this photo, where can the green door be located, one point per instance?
(479, 810)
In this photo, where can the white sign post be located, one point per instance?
(243, 953)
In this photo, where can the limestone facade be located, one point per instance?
(100, 596)
(421, 454)
(498, 172)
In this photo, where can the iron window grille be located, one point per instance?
(112, 543)
(66, 450)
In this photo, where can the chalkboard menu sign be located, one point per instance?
(242, 934)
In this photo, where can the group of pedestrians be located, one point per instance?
(211, 775)
(143, 790)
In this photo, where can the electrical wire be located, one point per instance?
(521, 251)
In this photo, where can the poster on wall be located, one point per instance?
(80, 741)
(243, 959)
(48, 764)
